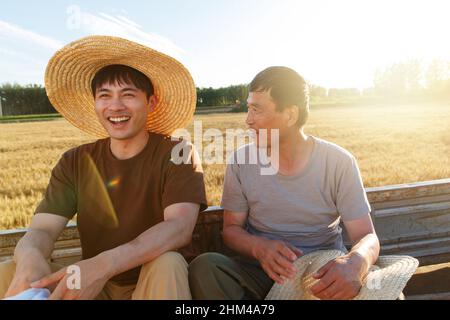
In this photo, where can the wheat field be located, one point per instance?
(393, 144)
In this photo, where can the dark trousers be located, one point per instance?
(213, 276)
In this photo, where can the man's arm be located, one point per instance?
(40, 238)
(32, 251)
(342, 278)
(276, 257)
(364, 240)
(174, 232)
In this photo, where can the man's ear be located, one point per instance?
(292, 113)
(151, 104)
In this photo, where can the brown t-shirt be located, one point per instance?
(117, 200)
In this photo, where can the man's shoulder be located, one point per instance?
(243, 155)
(177, 150)
(166, 145)
(88, 148)
(167, 141)
(333, 150)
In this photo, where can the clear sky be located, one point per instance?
(223, 42)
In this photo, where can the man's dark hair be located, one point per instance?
(121, 74)
(286, 87)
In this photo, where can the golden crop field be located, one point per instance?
(392, 144)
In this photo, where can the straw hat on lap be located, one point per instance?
(385, 280)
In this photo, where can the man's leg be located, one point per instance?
(114, 291)
(215, 276)
(164, 278)
(7, 270)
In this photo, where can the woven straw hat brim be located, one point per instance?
(388, 282)
(292, 289)
(70, 72)
(385, 280)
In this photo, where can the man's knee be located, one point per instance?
(209, 276)
(168, 261)
(165, 277)
(206, 263)
(7, 270)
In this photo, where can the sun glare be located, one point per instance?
(342, 43)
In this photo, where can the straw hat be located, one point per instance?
(385, 280)
(70, 72)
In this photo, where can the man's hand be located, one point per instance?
(341, 278)
(92, 280)
(276, 258)
(35, 268)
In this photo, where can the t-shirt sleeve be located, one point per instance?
(184, 181)
(233, 197)
(352, 202)
(60, 196)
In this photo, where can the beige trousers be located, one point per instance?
(164, 278)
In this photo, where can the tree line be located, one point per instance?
(401, 80)
(411, 79)
(22, 100)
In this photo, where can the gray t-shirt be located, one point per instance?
(304, 209)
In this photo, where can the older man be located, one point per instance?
(271, 220)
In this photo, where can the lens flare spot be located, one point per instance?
(96, 194)
(113, 183)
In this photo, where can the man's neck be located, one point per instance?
(126, 149)
(294, 153)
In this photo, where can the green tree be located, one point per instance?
(19, 100)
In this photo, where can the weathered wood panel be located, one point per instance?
(408, 191)
(410, 219)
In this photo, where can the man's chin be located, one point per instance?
(121, 137)
(114, 134)
(124, 134)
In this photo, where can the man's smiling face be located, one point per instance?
(123, 109)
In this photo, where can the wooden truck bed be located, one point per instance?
(410, 219)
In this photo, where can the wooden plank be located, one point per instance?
(426, 280)
(6, 253)
(408, 190)
(68, 240)
(426, 184)
(207, 237)
(11, 237)
(430, 296)
(407, 227)
(419, 249)
(414, 237)
(399, 228)
(61, 248)
(410, 202)
(439, 208)
(430, 259)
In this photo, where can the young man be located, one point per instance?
(134, 206)
(271, 220)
